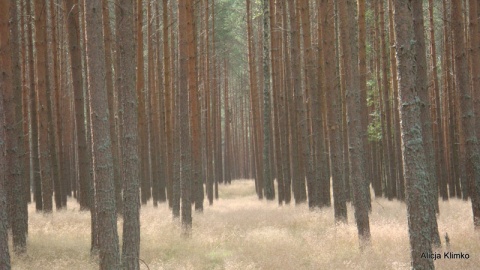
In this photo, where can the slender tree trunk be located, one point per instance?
(334, 115)
(176, 117)
(6, 158)
(421, 84)
(254, 105)
(117, 174)
(194, 110)
(131, 164)
(275, 26)
(84, 176)
(105, 195)
(315, 173)
(449, 108)
(475, 92)
(362, 69)
(168, 88)
(267, 124)
(400, 184)
(37, 185)
(299, 118)
(184, 21)
(420, 211)
(476, 51)
(387, 136)
(4, 252)
(43, 82)
(472, 157)
(208, 122)
(142, 119)
(349, 43)
(288, 111)
(161, 107)
(437, 122)
(52, 60)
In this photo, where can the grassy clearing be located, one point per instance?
(241, 232)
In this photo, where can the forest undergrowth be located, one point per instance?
(241, 232)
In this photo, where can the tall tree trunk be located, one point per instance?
(288, 110)
(279, 132)
(475, 92)
(315, 173)
(267, 124)
(449, 108)
(334, 107)
(168, 88)
(43, 82)
(437, 122)
(420, 211)
(397, 144)
(131, 164)
(349, 43)
(117, 174)
(37, 185)
(161, 107)
(362, 69)
(184, 21)
(254, 105)
(301, 140)
(476, 51)
(52, 60)
(4, 252)
(105, 195)
(387, 136)
(208, 122)
(90, 193)
(142, 119)
(421, 84)
(472, 157)
(84, 176)
(7, 138)
(194, 109)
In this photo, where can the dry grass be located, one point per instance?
(241, 232)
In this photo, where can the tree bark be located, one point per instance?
(471, 157)
(420, 211)
(194, 110)
(349, 43)
(334, 114)
(299, 121)
(254, 105)
(127, 61)
(6, 86)
(184, 22)
(267, 124)
(109, 56)
(43, 82)
(400, 184)
(425, 118)
(102, 155)
(84, 176)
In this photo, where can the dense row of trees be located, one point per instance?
(103, 99)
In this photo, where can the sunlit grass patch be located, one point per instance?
(241, 232)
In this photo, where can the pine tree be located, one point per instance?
(349, 43)
(99, 115)
(5, 83)
(420, 212)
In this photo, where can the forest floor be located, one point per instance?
(241, 232)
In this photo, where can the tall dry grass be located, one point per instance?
(241, 232)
